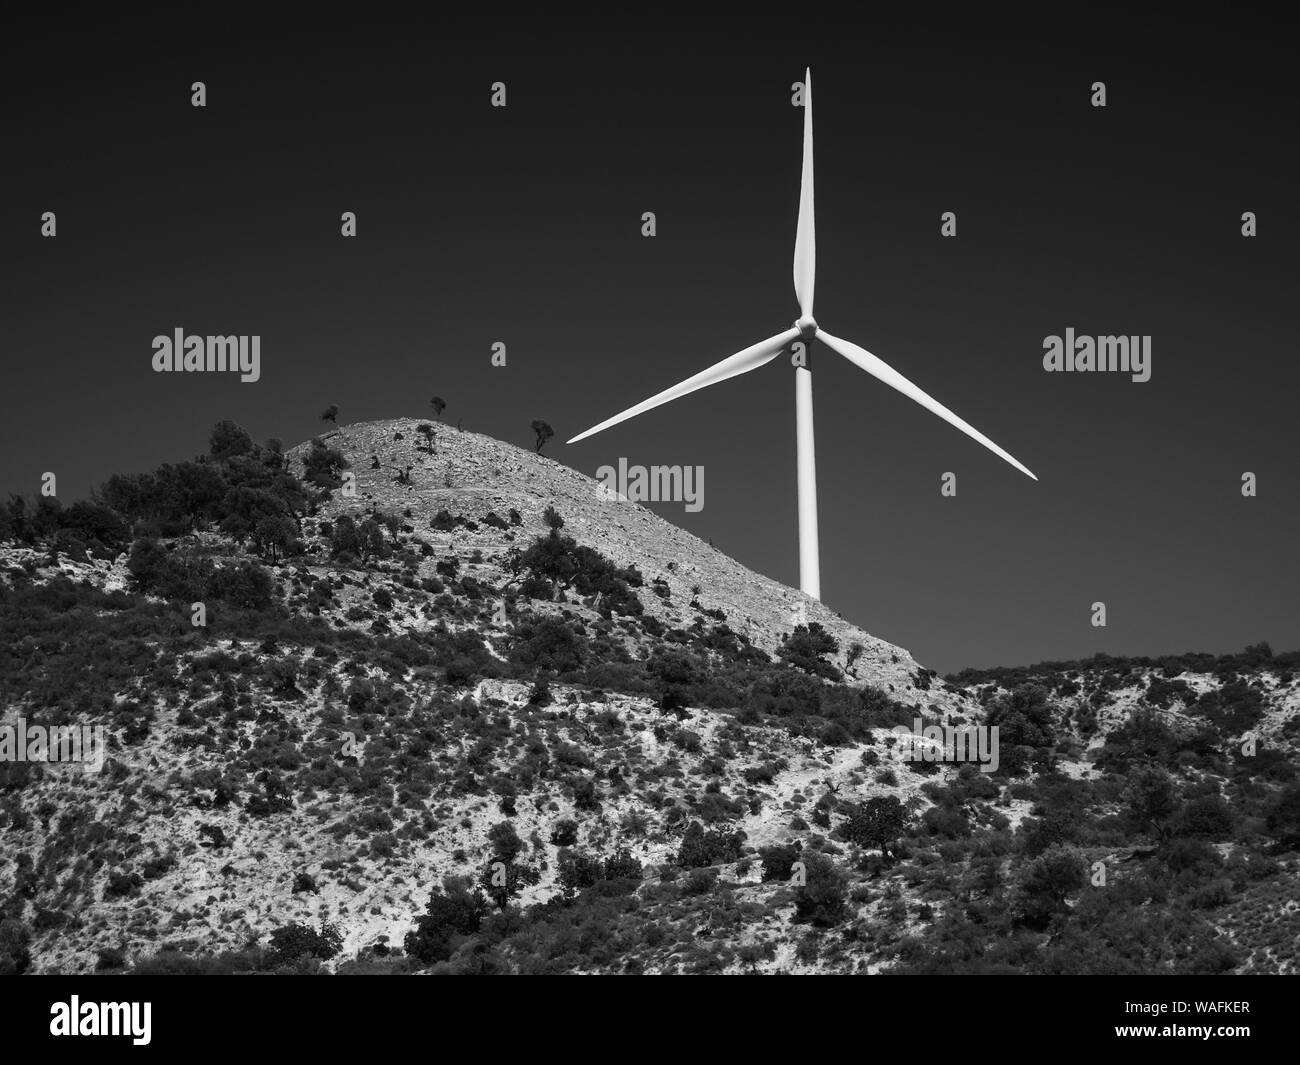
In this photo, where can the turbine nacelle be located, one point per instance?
(807, 326)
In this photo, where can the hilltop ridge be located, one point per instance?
(472, 474)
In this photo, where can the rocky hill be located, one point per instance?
(460, 711)
(473, 475)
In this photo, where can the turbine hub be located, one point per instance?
(807, 326)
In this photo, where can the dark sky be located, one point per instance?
(522, 225)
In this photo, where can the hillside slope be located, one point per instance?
(492, 721)
(472, 475)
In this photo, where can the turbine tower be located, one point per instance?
(805, 329)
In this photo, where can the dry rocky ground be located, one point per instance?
(255, 782)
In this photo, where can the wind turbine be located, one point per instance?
(805, 328)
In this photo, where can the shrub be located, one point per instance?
(121, 884)
(876, 823)
(15, 941)
(699, 881)
(560, 561)
(1207, 817)
(322, 466)
(807, 648)
(546, 642)
(1283, 817)
(452, 914)
(576, 870)
(621, 865)
(1149, 795)
(295, 941)
(1047, 881)
(505, 842)
(778, 861)
(565, 832)
(699, 847)
(821, 899)
(946, 821)
(1023, 717)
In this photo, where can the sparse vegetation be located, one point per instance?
(389, 686)
(543, 433)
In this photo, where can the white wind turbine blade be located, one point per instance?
(805, 238)
(894, 379)
(742, 362)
